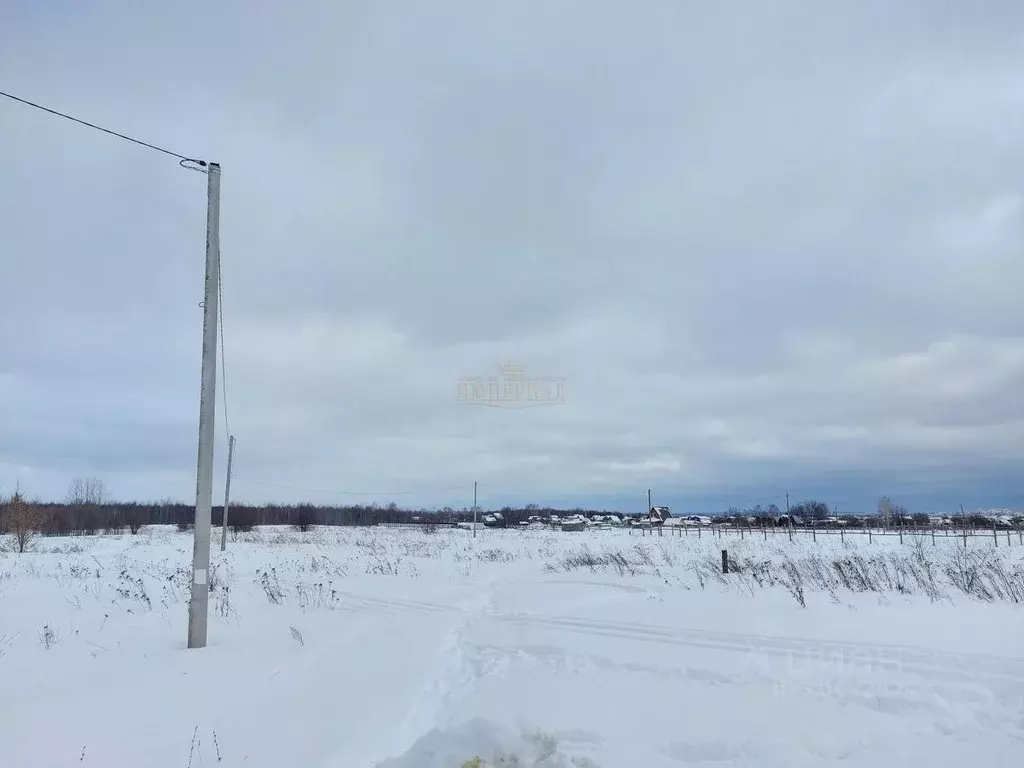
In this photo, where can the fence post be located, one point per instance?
(765, 530)
(995, 533)
(814, 531)
(901, 534)
(842, 535)
(725, 561)
(933, 537)
(869, 534)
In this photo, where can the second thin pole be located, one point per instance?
(227, 496)
(474, 509)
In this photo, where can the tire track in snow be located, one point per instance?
(934, 699)
(994, 686)
(379, 603)
(921, 661)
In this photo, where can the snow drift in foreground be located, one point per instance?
(490, 745)
(409, 649)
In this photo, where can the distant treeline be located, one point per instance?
(62, 519)
(88, 510)
(72, 518)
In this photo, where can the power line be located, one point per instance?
(350, 493)
(183, 158)
(564, 495)
(223, 364)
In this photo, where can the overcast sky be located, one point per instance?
(771, 246)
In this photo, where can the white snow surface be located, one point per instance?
(409, 649)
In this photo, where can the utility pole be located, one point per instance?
(199, 604)
(227, 496)
(474, 509)
(787, 503)
(648, 501)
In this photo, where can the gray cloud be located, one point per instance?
(776, 246)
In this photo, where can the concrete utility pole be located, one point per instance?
(199, 604)
(227, 496)
(474, 509)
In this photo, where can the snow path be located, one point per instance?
(420, 651)
(453, 678)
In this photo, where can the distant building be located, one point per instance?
(574, 523)
(659, 514)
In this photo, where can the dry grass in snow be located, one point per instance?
(408, 648)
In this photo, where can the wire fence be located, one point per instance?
(998, 534)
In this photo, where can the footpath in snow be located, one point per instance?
(404, 649)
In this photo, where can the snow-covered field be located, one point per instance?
(409, 649)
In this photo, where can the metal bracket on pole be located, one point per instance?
(199, 604)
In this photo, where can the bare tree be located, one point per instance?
(811, 510)
(88, 491)
(891, 513)
(900, 514)
(84, 499)
(885, 511)
(22, 520)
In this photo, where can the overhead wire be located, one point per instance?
(183, 161)
(337, 492)
(223, 363)
(562, 494)
(186, 162)
(140, 142)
